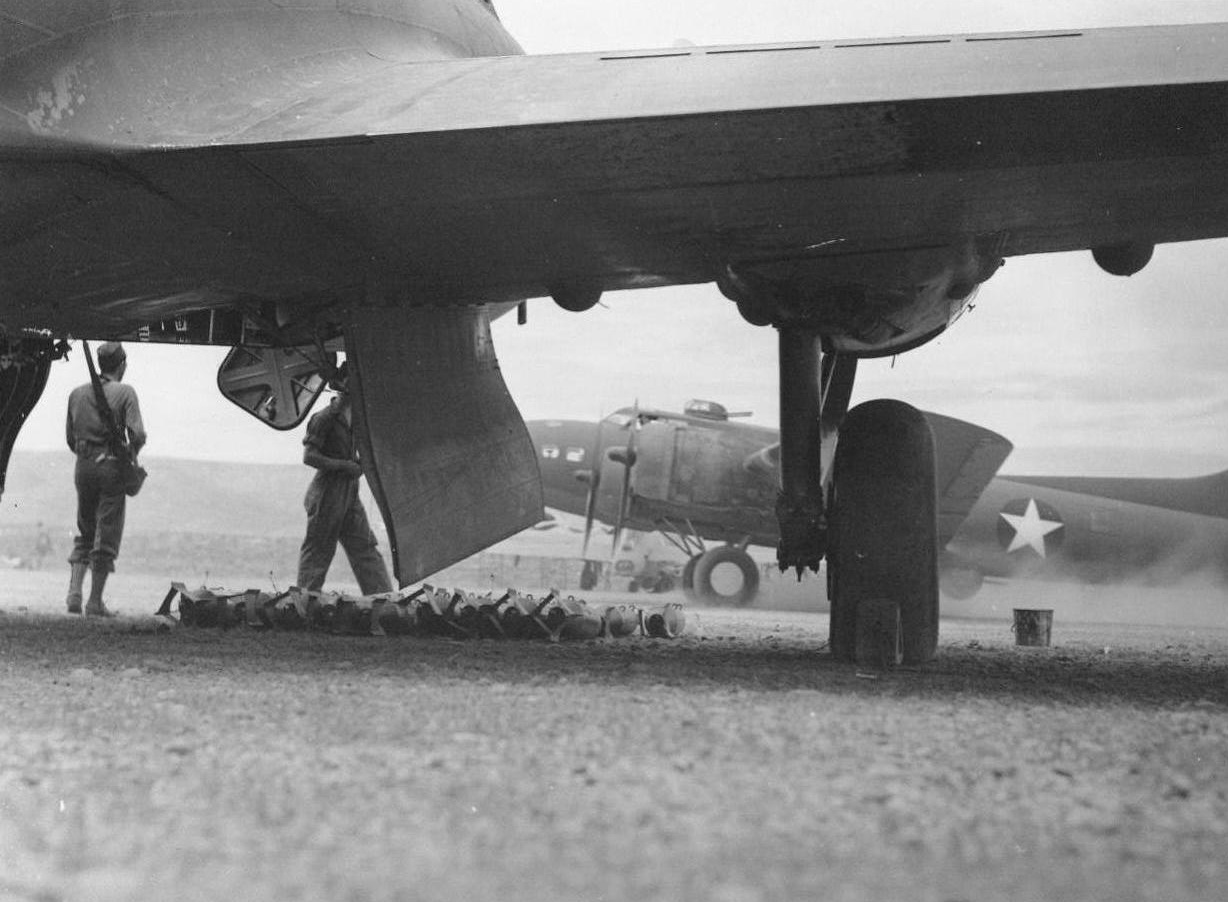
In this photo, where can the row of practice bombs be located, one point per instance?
(425, 611)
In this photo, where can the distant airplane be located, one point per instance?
(700, 475)
(384, 177)
(1092, 529)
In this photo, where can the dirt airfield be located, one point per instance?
(736, 764)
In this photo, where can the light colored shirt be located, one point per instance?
(85, 423)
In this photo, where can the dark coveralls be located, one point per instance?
(100, 493)
(334, 513)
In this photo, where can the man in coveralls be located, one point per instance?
(334, 513)
(100, 490)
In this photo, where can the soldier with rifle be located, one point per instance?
(105, 432)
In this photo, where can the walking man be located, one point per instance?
(100, 491)
(334, 511)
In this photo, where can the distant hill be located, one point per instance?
(226, 519)
(180, 496)
(192, 517)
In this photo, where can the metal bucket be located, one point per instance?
(1032, 626)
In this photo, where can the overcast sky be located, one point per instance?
(1084, 372)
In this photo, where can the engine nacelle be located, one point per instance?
(1123, 259)
(576, 298)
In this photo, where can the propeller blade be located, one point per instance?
(627, 459)
(590, 509)
(590, 501)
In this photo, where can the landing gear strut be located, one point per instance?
(869, 508)
(589, 575)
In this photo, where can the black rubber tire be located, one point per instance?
(884, 526)
(633, 586)
(688, 578)
(713, 558)
(960, 583)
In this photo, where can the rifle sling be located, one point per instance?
(119, 447)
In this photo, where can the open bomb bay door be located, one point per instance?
(278, 386)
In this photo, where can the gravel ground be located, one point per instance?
(735, 764)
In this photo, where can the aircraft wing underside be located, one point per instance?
(500, 179)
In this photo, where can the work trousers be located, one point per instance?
(100, 513)
(334, 514)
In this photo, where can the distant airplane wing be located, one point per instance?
(494, 180)
(967, 458)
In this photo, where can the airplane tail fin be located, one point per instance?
(966, 458)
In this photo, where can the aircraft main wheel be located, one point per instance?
(884, 527)
(688, 578)
(960, 583)
(726, 575)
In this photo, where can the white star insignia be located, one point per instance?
(1030, 528)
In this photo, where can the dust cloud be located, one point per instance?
(1157, 596)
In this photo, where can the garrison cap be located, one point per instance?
(110, 355)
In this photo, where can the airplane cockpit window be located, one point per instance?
(619, 419)
(575, 455)
(550, 452)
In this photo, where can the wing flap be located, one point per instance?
(447, 455)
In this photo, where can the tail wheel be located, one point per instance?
(960, 583)
(883, 518)
(725, 575)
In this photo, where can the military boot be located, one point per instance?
(75, 581)
(94, 607)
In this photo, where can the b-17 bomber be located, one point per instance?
(382, 179)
